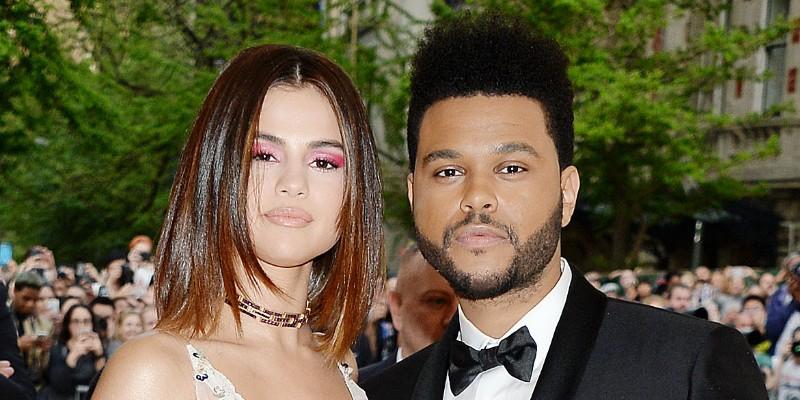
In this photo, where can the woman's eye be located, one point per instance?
(512, 169)
(448, 172)
(264, 157)
(324, 164)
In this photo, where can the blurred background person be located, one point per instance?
(680, 298)
(421, 306)
(41, 261)
(15, 382)
(34, 332)
(47, 307)
(644, 290)
(105, 321)
(149, 318)
(787, 368)
(377, 341)
(767, 283)
(116, 277)
(75, 358)
(783, 307)
(140, 250)
(129, 325)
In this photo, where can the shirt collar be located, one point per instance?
(541, 320)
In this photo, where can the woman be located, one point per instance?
(129, 324)
(76, 357)
(273, 232)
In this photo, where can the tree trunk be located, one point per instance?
(621, 236)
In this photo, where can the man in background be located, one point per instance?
(421, 304)
(34, 333)
(15, 383)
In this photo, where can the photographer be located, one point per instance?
(76, 357)
(41, 261)
(140, 249)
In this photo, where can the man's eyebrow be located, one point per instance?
(440, 154)
(326, 143)
(514, 147)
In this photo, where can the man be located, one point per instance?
(491, 185)
(34, 333)
(103, 310)
(15, 383)
(783, 307)
(680, 298)
(422, 305)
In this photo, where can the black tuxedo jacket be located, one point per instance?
(607, 349)
(376, 368)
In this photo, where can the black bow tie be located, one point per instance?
(516, 353)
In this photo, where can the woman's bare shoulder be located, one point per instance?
(153, 366)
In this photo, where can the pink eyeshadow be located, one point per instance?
(334, 158)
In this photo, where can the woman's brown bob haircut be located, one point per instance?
(205, 236)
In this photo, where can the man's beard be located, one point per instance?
(526, 267)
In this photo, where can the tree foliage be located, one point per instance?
(95, 104)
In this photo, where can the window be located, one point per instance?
(776, 56)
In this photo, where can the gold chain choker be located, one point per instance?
(260, 314)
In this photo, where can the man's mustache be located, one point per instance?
(471, 218)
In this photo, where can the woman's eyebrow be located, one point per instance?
(326, 143)
(271, 138)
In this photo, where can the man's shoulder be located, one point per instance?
(634, 323)
(398, 380)
(647, 318)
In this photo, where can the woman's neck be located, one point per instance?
(293, 285)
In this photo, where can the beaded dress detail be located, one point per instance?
(211, 384)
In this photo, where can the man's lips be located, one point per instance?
(289, 217)
(479, 236)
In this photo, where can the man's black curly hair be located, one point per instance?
(491, 54)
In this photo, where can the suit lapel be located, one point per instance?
(573, 340)
(430, 384)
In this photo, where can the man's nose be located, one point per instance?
(479, 196)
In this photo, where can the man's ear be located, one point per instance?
(570, 184)
(393, 299)
(410, 187)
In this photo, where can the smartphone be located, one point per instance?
(6, 252)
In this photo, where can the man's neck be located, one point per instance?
(496, 316)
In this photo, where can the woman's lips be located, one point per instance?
(289, 217)
(476, 236)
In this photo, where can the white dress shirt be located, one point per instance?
(541, 321)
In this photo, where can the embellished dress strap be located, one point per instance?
(209, 384)
(356, 392)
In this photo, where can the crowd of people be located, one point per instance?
(71, 318)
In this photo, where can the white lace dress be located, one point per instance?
(211, 384)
